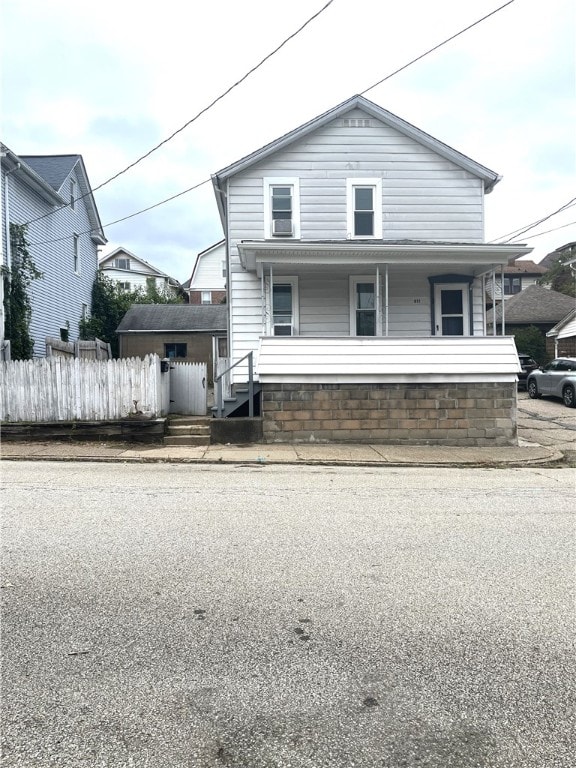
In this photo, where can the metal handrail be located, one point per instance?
(218, 382)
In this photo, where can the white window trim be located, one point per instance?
(73, 194)
(203, 294)
(354, 280)
(283, 280)
(377, 184)
(283, 181)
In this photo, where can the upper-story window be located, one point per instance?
(72, 194)
(281, 207)
(512, 285)
(364, 206)
(76, 253)
(122, 263)
(206, 297)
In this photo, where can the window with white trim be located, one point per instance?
(284, 307)
(281, 207)
(363, 319)
(76, 253)
(72, 194)
(206, 297)
(364, 208)
(122, 263)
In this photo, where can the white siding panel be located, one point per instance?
(388, 360)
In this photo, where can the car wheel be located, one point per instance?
(533, 389)
(569, 397)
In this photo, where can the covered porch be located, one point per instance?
(336, 289)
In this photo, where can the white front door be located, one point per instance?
(452, 309)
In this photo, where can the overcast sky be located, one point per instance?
(111, 79)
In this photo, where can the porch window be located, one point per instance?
(364, 208)
(282, 306)
(363, 315)
(282, 309)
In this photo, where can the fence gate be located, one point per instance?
(188, 388)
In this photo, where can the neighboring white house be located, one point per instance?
(51, 194)
(207, 284)
(516, 278)
(357, 271)
(133, 272)
(564, 336)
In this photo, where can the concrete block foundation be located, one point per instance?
(457, 414)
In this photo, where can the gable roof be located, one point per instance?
(489, 177)
(535, 304)
(54, 170)
(566, 327)
(174, 317)
(199, 257)
(103, 261)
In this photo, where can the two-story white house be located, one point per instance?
(133, 273)
(207, 283)
(51, 195)
(357, 271)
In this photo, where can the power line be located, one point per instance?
(422, 55)
(124, 218)
(199, 114)
(156, 205)
(538, 234)
(527, 227)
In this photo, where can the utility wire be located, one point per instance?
(547, 232)
(199, 114)
(413, 61)
(527, 227)
(422, 55)
(125, 218)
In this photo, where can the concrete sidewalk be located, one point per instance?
(319, 454)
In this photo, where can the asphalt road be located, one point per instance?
(171, 616)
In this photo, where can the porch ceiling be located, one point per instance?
(478, 257)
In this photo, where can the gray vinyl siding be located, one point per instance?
(424, 197)
(57, 296)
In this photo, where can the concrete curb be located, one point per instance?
(549, 459)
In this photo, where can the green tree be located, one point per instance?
(530, 341)
(560, 276)
(17, 304)
(110, 302)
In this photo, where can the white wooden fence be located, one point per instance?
(61, 389)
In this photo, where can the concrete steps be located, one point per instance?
(188, 430)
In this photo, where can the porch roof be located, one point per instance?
(256, 253)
